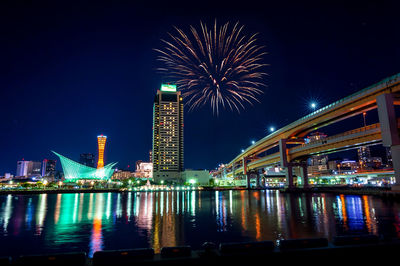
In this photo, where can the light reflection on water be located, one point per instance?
(90, 222)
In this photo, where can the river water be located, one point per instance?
(48, 223)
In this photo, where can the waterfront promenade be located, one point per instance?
(383, 192)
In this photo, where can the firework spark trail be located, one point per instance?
(217, 66)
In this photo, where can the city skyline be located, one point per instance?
(201, 132)
(348, 47)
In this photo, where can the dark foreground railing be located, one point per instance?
(366, 249)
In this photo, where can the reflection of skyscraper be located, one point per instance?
(87, 159)
(167, 134)
(101, 141)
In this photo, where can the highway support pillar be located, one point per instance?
(245, 173)
(285, 164)
(258, 180)
(390, 132)
(289, 177)
(304, 175)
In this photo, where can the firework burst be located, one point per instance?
(220, 66)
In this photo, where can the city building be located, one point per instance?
(347, 167)
(74, 171)
(144, 170)
(334, 165)
(23, 168)
(168, 135)
(8, 176)
(101, 142)
(196, 177)
(48, 167)
(28, 168)
(315, 136)
(87, 159)
(364, 155)
(36, 168)
(120, 174)
(374, 163)
(317, 164)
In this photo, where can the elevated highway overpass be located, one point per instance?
(383, 96)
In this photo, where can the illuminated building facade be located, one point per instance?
(48, 167)
(364, 154)
(75, 171)
(28, 168)
(23, 167)
(317, 164)
(101, 141)
(167, 134)
(144, 170)
(122, 174)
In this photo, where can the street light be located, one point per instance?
(272, 129)
(253, 142)
(313, 105)
(242, 150)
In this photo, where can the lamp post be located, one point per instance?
(313, 105)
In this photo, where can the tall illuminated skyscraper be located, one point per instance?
(167, 134)
(101, 141)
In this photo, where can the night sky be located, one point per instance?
(72, 71)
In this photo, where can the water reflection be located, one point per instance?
(92, 222)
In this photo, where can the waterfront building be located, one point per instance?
(374, 163)
(28, 168)
(87, 159)
(334, 165)
(315, 136)
(120, 174)
(196, 177)
(74, 171)
(8, 176)
(317, 164)
(22, 168)
(167, 154)
(48, 167)
(364, 155)
(101, 142)
(144, 170)
(36, 168)
(347, 167)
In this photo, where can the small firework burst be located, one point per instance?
(220, 66)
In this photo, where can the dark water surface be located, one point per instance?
(46, 223)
